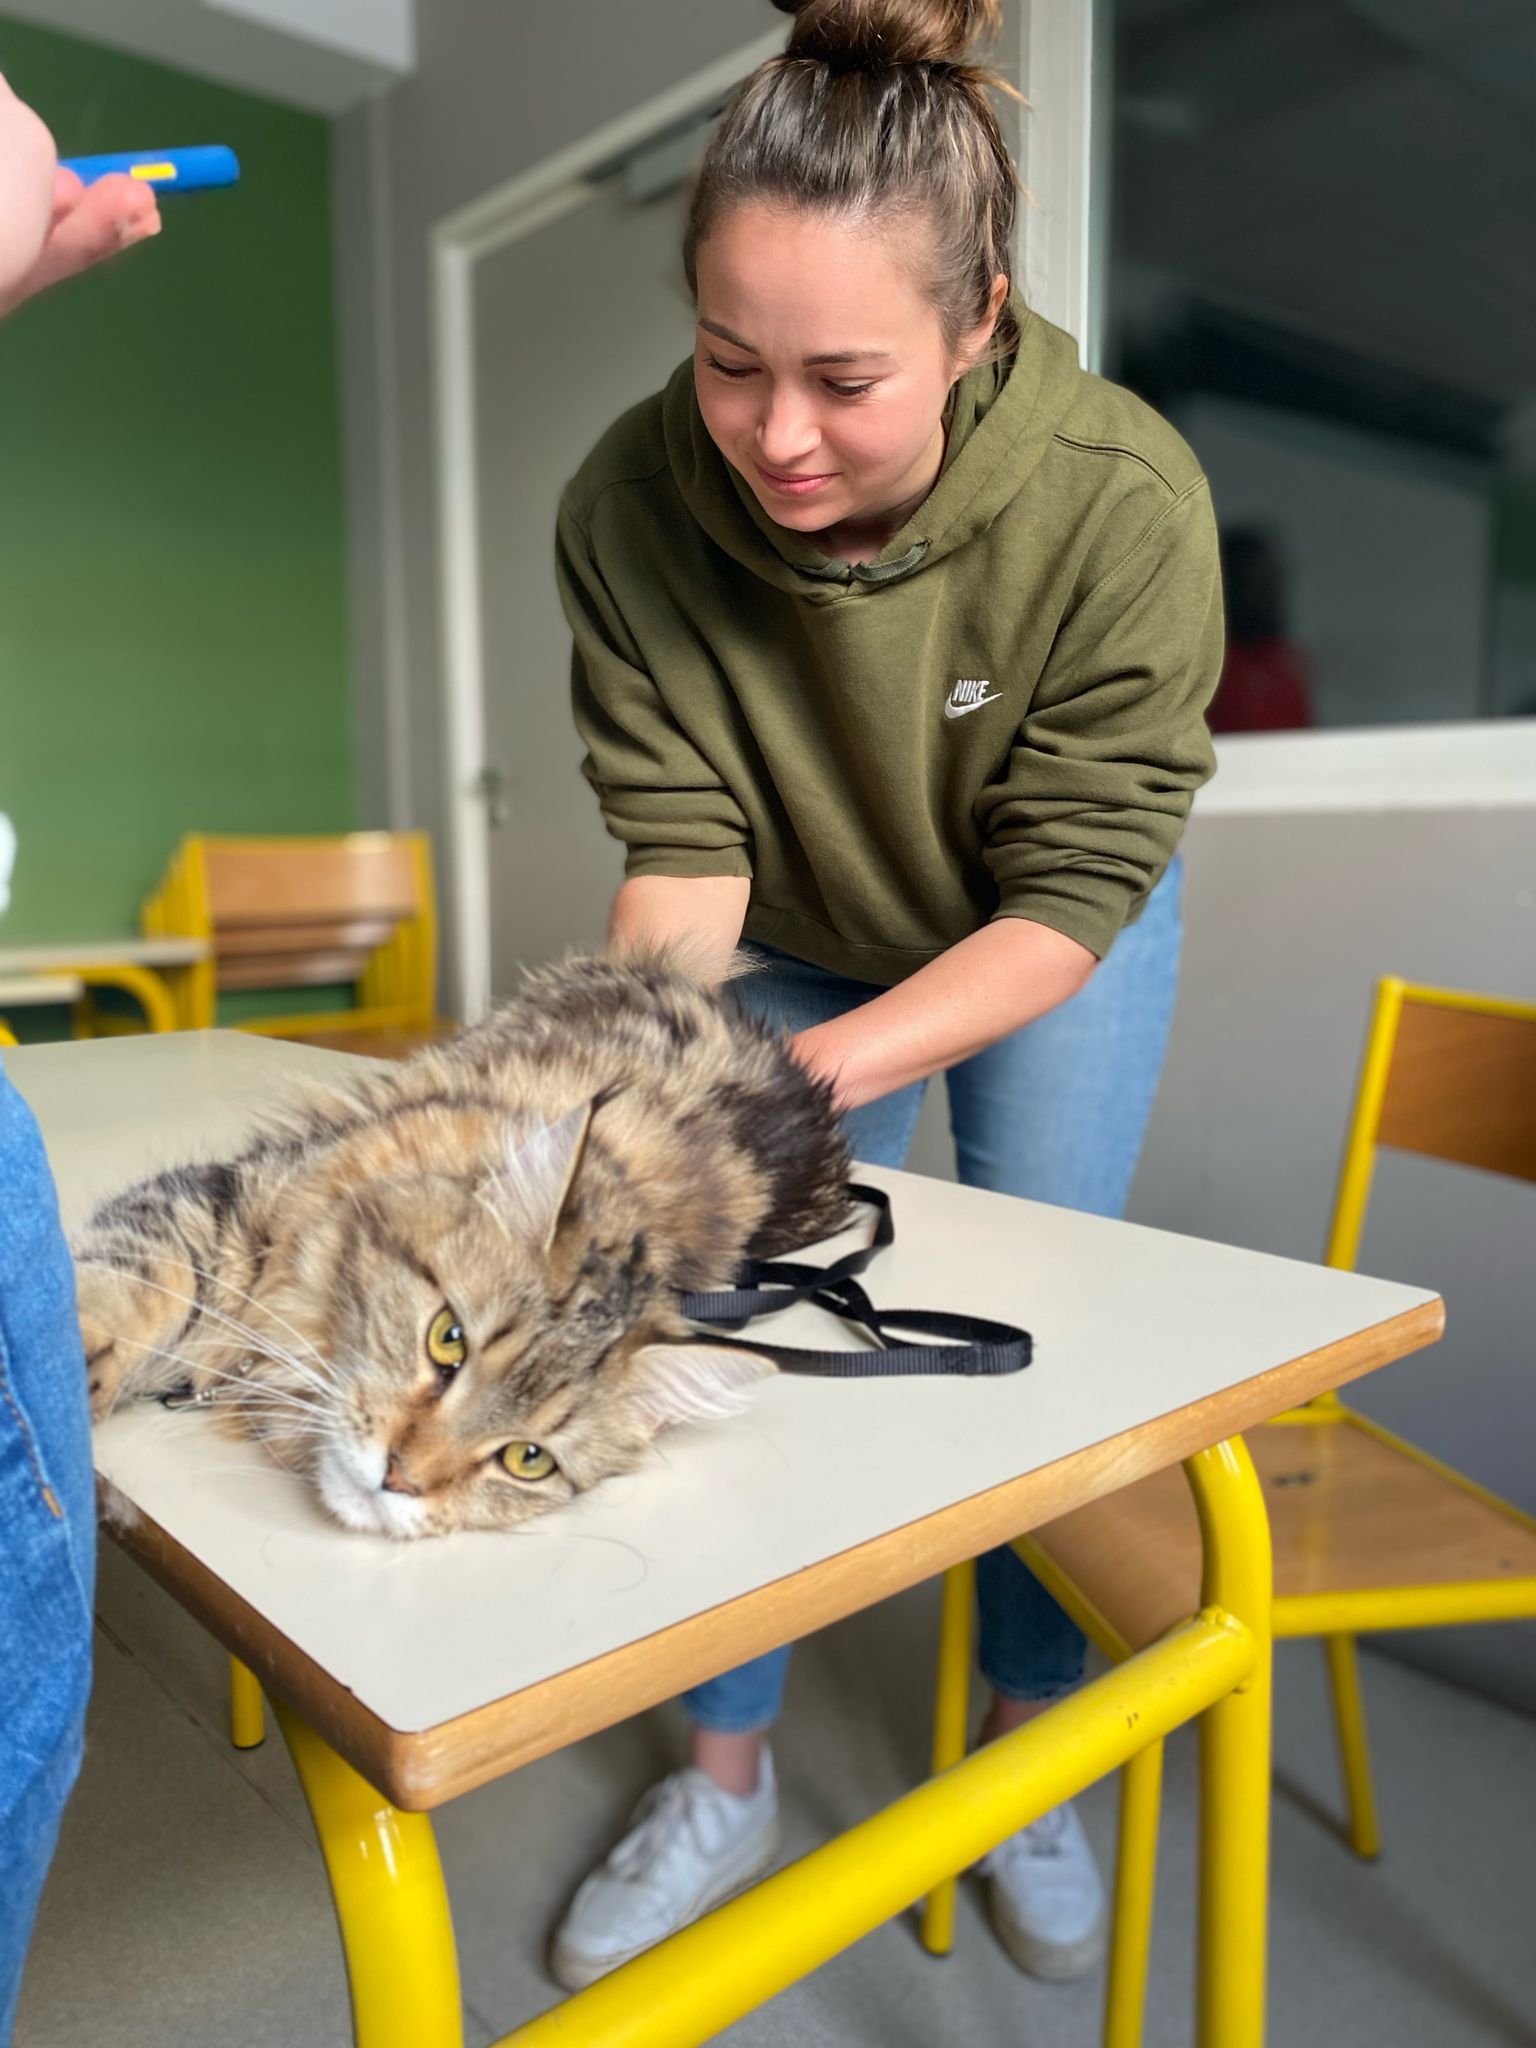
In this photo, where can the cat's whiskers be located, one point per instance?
(254, 1339)
(266, 1308)
(273, 1394)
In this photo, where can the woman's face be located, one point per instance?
(821, 367)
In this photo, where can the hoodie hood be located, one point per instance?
(1000, 419)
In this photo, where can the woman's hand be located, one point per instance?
(979, 990)
(51, 225)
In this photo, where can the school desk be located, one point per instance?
(404, 1675)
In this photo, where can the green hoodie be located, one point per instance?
(1000, 715)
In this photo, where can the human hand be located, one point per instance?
(51, 225)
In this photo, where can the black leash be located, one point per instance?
(763, 1286)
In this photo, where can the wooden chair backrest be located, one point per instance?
(1462, 1086)
(300, 913)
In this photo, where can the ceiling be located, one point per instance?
(321, 55)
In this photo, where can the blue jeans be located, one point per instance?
(1055, 1112)
(48, 1532)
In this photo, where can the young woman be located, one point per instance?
(894, 631)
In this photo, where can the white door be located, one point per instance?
(574, 323)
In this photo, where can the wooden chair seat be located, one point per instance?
(1349, 1513)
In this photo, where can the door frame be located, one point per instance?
(1050, 49)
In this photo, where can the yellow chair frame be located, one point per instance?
(396, 992)
(1338, 1617)
(152, 988)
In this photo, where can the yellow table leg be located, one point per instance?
(951, 1704)
(390, 1900)
(247, 1723)
(1125, 1989)
(1234, 1756)
(693, 1985)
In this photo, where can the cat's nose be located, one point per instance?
(396, 1478)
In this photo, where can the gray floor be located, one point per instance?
(188, 1904)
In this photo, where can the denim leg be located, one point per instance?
(1056, 1113)
(793, 995)
(47, 1511)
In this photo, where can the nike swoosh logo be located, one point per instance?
(953, 710)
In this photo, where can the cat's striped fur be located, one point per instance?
(552, 1179)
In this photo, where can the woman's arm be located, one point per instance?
(976, 992)
(991, 983)
(700, 914)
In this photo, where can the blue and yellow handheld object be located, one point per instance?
(168, 170)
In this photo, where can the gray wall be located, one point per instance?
(497, 89)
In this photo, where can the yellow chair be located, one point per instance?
(287, 913)
(1368, 1531)
(6, 1035)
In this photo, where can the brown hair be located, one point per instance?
(872, 113)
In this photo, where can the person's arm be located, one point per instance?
(700, 915)
(687, 843)
(1081, 822)
(52, 226)
(26, 189)
(978, 991)
(1087, 809)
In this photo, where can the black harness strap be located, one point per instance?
(973, 1345)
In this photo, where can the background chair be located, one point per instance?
(288, 913)
(1368, 1531)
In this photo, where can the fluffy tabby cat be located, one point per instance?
(445, 1292)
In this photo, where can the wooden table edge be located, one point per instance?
(420, 1769)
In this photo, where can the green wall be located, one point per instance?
(172, 599)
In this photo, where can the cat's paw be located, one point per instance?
(106, 1368)
(127, 1327)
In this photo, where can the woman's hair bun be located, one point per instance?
(870, 35)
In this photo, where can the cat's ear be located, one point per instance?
(532, 1186)
(694, 1382)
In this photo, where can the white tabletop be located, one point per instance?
(103, 953)
(22, 989)
(1129, 1325)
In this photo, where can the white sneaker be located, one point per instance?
(691, 1845)
(1046, 1898)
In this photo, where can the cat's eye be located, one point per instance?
(446, 1345)
(528, 1461)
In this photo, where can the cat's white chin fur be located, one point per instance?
(349, 1479)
